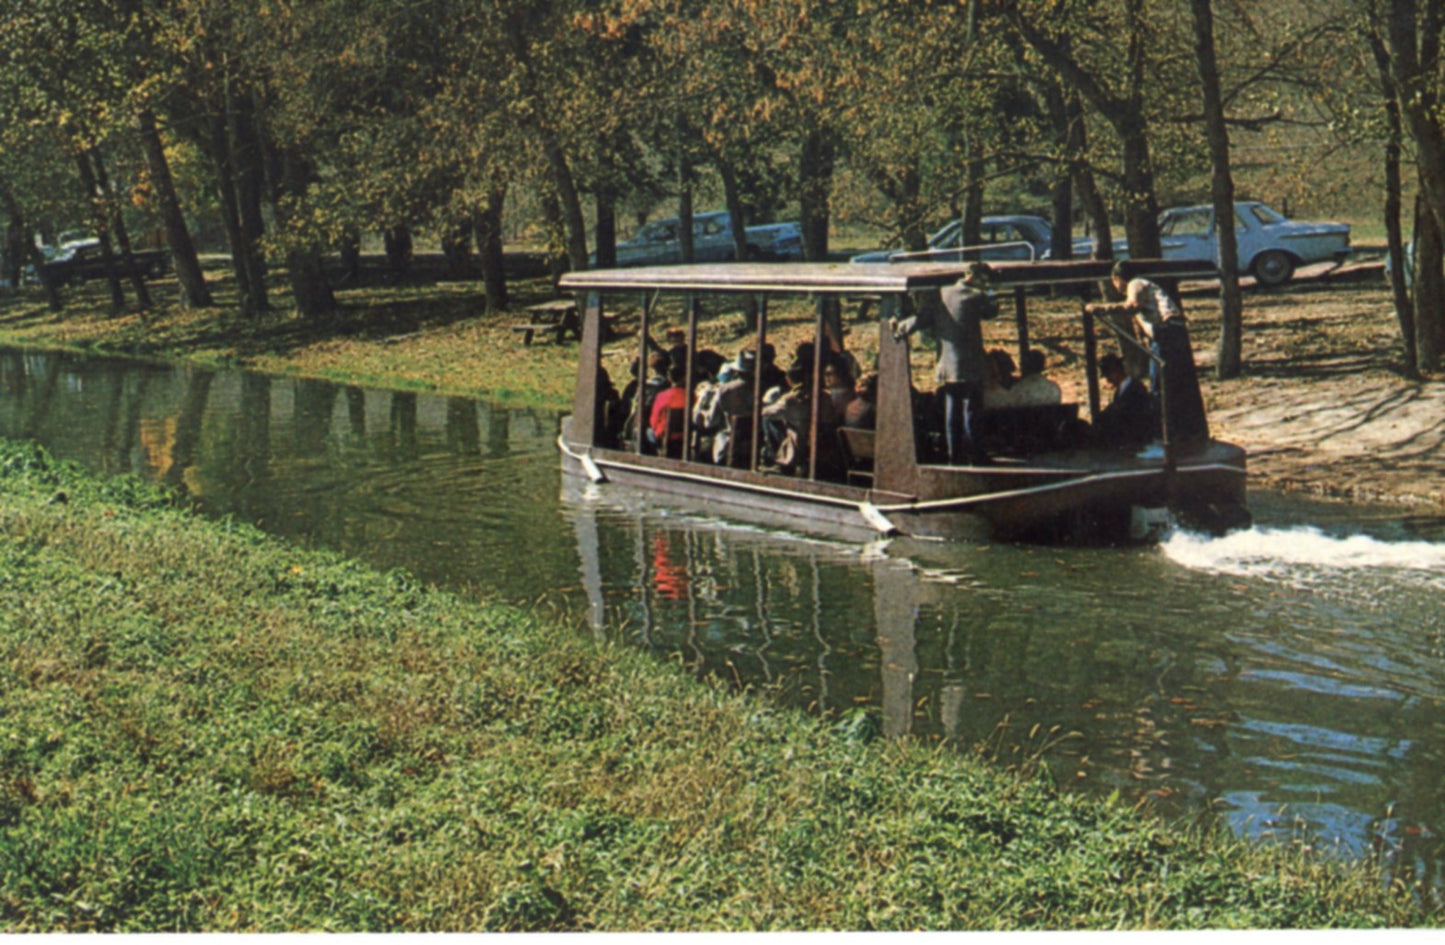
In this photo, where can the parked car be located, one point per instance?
(80, 259)
(777, 241)
(657, 243)
(1000, 237)
(1271, 247)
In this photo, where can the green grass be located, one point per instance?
(204, 729)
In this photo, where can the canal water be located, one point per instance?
(1289, 678)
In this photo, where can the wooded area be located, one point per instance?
(292, 127)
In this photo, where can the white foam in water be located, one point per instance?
(1267, 551)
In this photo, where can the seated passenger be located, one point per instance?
(1130, 420)
(998, 388)
(838, 388)
(862, 410)
(731, 396)
(675, 396)
(790, 417)
(1033, 389)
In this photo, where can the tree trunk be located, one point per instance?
(973, 193)
(398, 247)
(569, 203)
(1394, 187)
(304, 265)
(1429, 290)
(489, 243)
(101, 221)
(687, 243)
(350, 251)
(1141, 207)
(605, 231)
(194, 292)
(556, 235)
(1061, 194)
(1231, 316)
(457, 250)
(122, 236)
(231, 216)
(737, 215)
(31, 251)
(250, 182)
(815, 179)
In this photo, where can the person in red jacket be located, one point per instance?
(673, 396)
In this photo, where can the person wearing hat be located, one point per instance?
(1159, 321)
(962, 364)
(731, 396)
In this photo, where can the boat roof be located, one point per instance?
(848, 278)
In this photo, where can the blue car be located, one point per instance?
(1000, 237)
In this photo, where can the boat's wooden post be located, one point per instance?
(1170, 466)
(689, 381)
(1091, 367)
(820, 349)
(895, 463)
(639, 433)
(1021, 319)
(756, 447)
(586, 416)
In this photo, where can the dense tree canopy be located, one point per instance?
(290, 129)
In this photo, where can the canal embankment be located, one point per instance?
(203, 728)
(1322, 404)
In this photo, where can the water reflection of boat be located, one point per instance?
(1041, 484)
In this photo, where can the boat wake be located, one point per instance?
(1298, 551)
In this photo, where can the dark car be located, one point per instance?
(78, 260)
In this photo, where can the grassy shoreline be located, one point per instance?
(202, 728)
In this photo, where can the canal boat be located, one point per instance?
(1044, 479)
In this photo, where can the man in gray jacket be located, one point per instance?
(962, 364)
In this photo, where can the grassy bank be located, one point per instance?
(202, 728)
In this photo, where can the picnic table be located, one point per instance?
(558, 316)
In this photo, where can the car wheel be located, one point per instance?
(1273, 268)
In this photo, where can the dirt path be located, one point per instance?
(1323, 407)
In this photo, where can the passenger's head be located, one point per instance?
(1001, 365)
(675, 336)
(867, 386)
(1111, 369)
(1032, 362)
(677, 374)
(1122, 272)
(977, 275)
(659, 362)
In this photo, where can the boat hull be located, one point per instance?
(1078, 497)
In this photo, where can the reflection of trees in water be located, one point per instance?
(462, 431)
(356, 411)
(40, 395)
(499, 430)
(182, 454)
(402, 429)
(312, 409)
(120, 432)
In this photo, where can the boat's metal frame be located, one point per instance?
(1076, 494)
